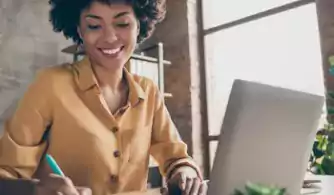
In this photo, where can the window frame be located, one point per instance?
(209, 31)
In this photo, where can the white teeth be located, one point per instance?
(110, 51)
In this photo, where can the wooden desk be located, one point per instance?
(17, 187)
(25, 187)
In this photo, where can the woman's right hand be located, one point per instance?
(58, 185)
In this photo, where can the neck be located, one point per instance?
(106, 78)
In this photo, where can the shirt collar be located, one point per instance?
(86, 80)
(85, 75)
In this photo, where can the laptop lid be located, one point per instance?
(266, 137)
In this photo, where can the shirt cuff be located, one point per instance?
(185, 162)
(14, 156)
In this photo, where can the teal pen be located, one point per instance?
(53, 165)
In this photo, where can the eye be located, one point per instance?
(122, 25)
(94, 27)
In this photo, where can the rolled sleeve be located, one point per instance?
(21, 146)
(167, 147)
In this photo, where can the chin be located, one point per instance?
(113, 65)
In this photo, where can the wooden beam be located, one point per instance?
(325, 9)
(259, 15)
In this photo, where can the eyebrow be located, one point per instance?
(100, 18)
(121, 14)
(93, 16)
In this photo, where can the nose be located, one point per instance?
(110, 35)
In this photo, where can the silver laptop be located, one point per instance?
(266, 138)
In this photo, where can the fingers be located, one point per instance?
(196, 184)
(203, 188)
(182, 182)
(84, 191)
(64, 185)
(189, 184)
(57, 180)
(59, 184)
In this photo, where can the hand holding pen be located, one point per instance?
(57, 183)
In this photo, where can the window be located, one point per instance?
(281, 50)
(217, 12)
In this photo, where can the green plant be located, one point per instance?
(260, 189)
(322, 158)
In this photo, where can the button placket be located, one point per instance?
(117, 154)
(113, 178)
(114, 129)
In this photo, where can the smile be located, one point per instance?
(111, 52)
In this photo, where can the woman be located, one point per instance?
(104, 122)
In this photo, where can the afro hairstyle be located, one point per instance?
(65, 15)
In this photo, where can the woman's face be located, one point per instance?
(109, 34)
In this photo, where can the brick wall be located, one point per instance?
(326, 26)
(179, 34)
(27, 43)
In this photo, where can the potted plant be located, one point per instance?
(260, 189)
(322, 157)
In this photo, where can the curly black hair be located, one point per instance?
(65, 15)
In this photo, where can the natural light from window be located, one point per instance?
(281, 50)
(217, 12)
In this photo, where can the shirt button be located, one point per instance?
(114, 178)
(114, 129)
(122, 111)
(117, 154)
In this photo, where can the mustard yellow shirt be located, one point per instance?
(108, 153)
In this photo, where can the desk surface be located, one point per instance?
(326, 186)
(25, 187)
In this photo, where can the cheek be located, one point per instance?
(90, 40)
(130, 37)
